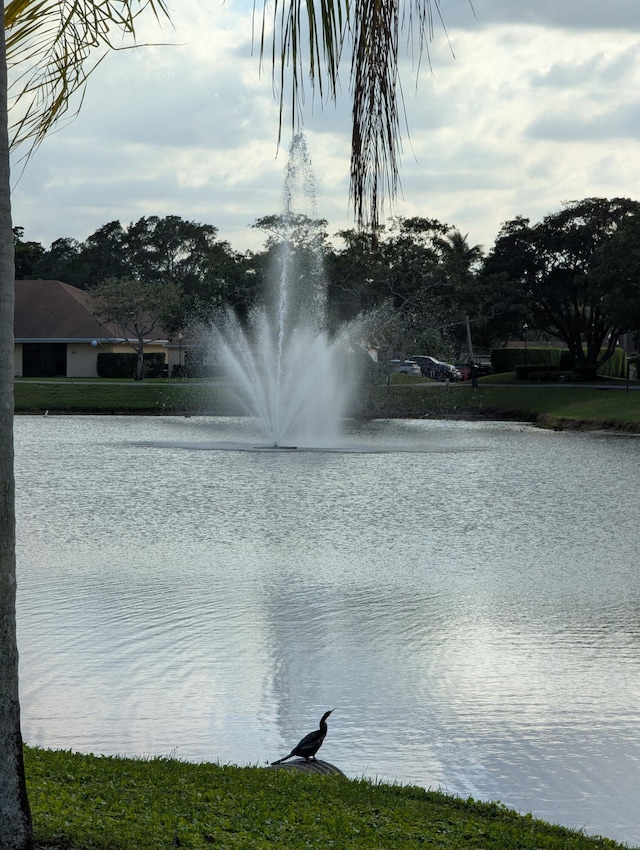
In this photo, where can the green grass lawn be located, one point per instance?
(91, 803)
(552, 405)
(159, 396)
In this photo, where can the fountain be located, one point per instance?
(287, 372)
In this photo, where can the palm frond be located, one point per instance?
(52, 48)
(305, 37)
(311, 36)
(375, 115)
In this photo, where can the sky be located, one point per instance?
(521, 107)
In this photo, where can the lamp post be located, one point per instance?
(180, 355)
(525, 328)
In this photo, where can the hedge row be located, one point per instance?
(549, 359)
(616, 367)
(507, 359)
(124, 365)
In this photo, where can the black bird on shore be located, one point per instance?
(310, 744)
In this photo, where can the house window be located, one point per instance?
(44, 359)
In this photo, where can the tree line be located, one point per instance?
(574, 276)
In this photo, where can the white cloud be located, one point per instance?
(538, 106)
(568, 14)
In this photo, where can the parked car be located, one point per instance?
(436, 369)
(427, 364)
(445, 371)
(483, 362)
(407, 367)
(483, 366)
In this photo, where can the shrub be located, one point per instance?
(507, 359)
(154, 365)
(116, 365)
(550, 360)
(616, 367)
(525, 371)
(120, 365)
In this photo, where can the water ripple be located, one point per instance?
(462, 610)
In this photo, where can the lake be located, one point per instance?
(466, 595)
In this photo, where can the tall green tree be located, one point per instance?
(137, 309)
(208, 272)
(62, 262)
(169, 248)
(397, 272)
(412, 253)
(102, 255)
(560, 267)
(28, 256)
(460, 262)
(295, 242)
(400, 263)
(616, 270)
(354, 271)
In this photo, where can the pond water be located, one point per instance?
(466, 595)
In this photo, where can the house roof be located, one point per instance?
(51, 309)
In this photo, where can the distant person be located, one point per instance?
(474, 374)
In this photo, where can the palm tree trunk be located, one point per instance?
(15, 818)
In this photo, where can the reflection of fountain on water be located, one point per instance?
(286, 370)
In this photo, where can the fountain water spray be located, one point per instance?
(288, 373)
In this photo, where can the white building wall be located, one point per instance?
(82, 357)
(81, 360)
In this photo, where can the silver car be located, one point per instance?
(407, 367)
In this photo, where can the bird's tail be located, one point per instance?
(279, 761)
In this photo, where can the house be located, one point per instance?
(57, 335)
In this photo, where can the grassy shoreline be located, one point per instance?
(604, 407)
(85, 802)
